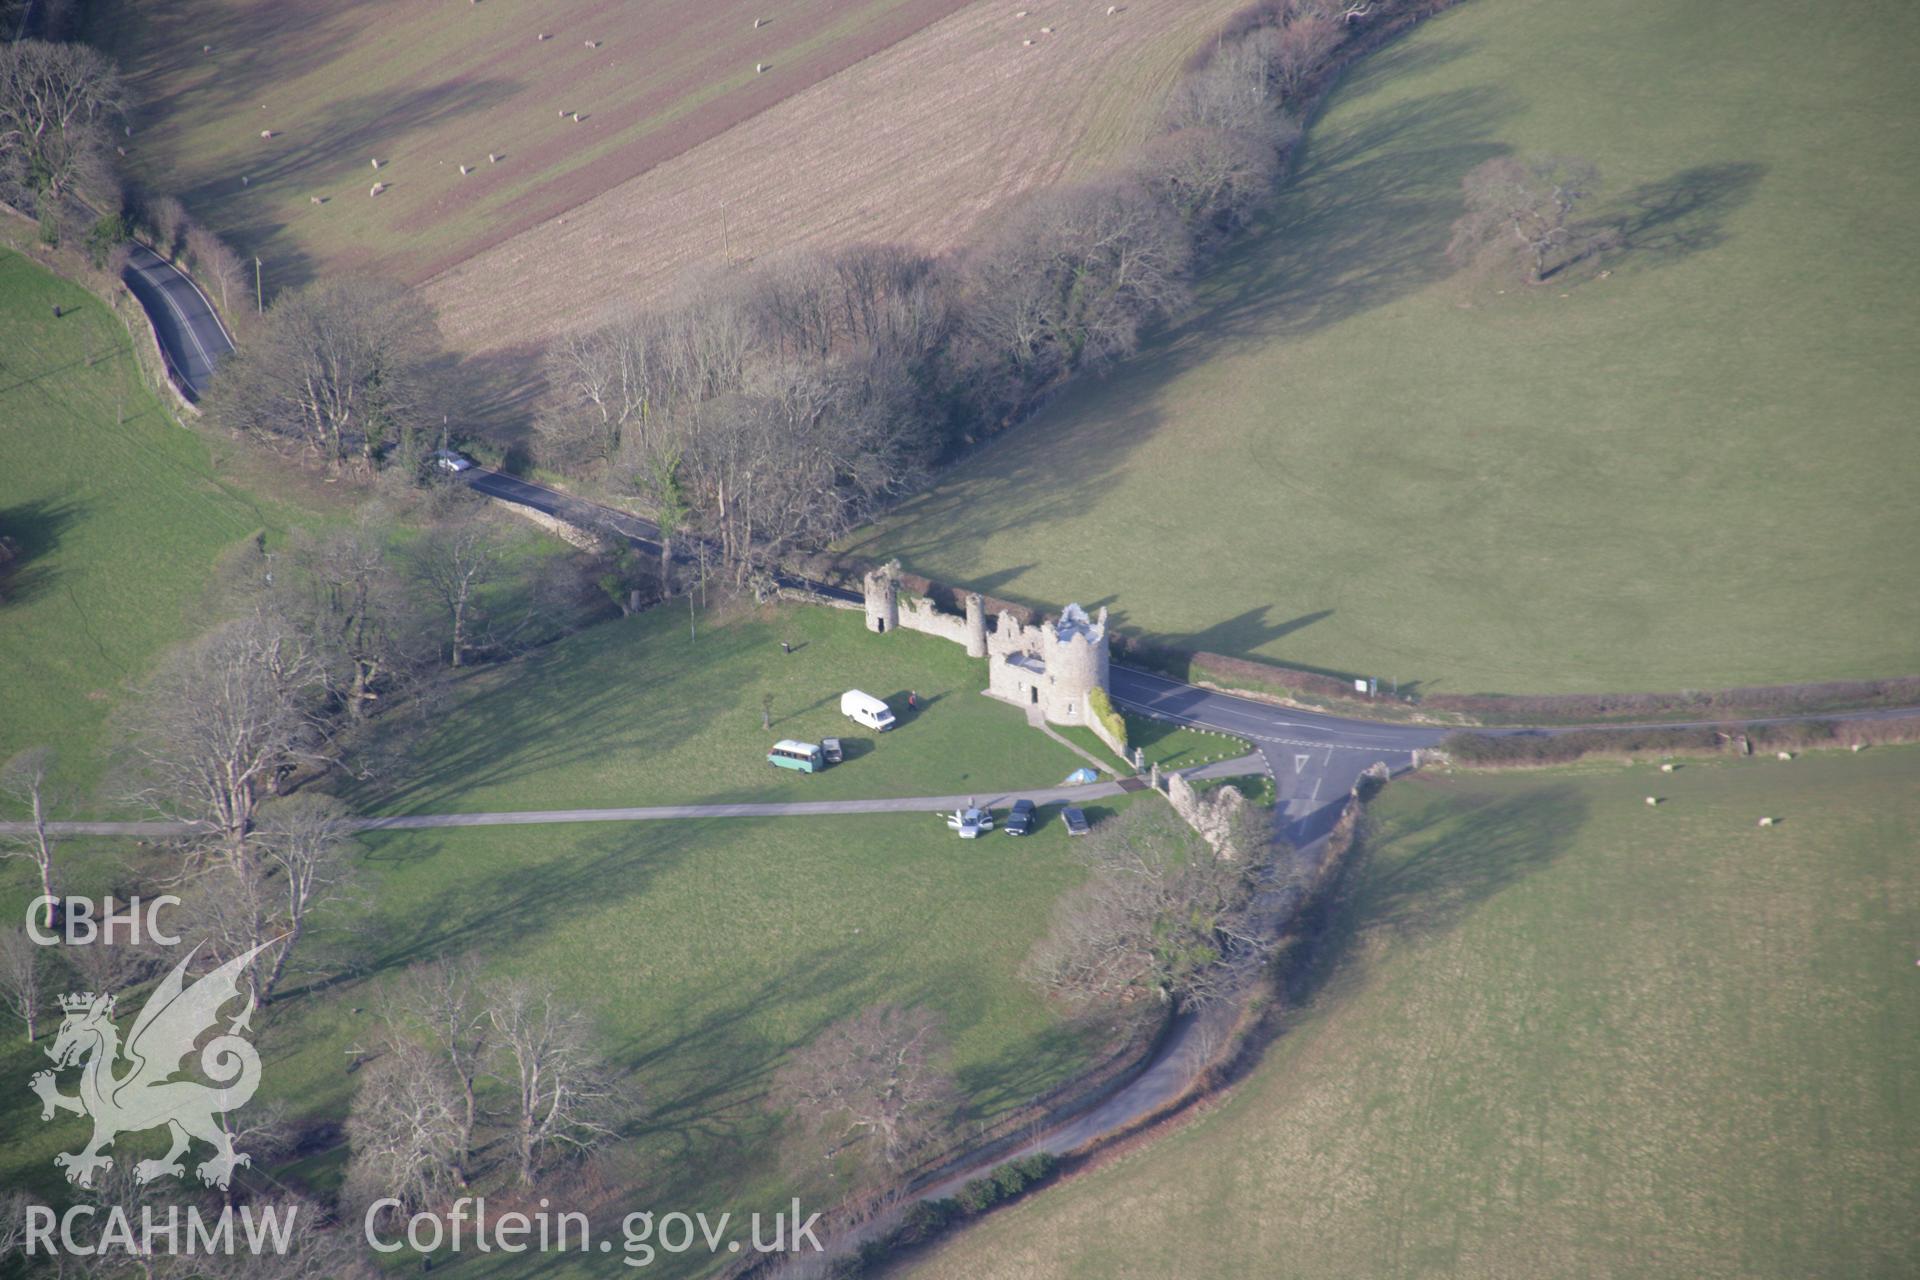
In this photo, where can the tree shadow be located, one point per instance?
(1682, 215)
(29, 531)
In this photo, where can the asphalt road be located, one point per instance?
(191, 335)
(1315, 759)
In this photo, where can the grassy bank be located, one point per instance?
(1554, 1032)
(1691, 473)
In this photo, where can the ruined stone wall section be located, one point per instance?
(1212, 814)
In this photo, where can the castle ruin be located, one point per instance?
(1051, 665)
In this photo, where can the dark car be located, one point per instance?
(830, 748)
(1020, 821)
(1076, 820)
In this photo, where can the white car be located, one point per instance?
(969, 823)
(448, 460)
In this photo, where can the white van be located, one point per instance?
(864, 708)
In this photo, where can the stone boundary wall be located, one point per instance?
(571, 534)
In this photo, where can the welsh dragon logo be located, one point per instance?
(146, 1095)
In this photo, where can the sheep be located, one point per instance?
(1112, 9)
(206, 48)
(376, 162)
(1856, 746)
(1666, 768)
(591, 44)
(492, 158)
(121, 150)
(1653, 800)
(1783, 755)
(376, 189)
(757, 22)
(244, 180)
(316, 199)
(543, 36)
(465, 169)
(1046, 31)
(1026, 44)
(576, 117)
(759, 68)
(1766, 822)
(266, 133)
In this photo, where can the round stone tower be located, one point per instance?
(1075, 651)
(976, 625)
(883, 598)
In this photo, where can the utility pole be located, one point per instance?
(259, 297)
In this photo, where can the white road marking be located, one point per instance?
(1300, 762)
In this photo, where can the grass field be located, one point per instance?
(1695, 472)
(119, 513)
(704, 950)
(637, 712)
(1556, 1033)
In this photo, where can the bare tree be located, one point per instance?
(342, 367)
(315, 1250)
(1212, 178)
(441, 1003)
(112, 966)
(453, 563)
(1523, 206)
(1161, 913)
(1301, 47)
(796, 459)
(565, 1098)
(305, 846)
(344, 589)
(26, 779)
(13, 1222)
(166, 221)
(23, 968)
(215, 262)
(1234, 92)
(872, 1076)
(601, 384)
(226, 714)
(403, 1131)
(298, 861)
(56, 102)
(1069, 278)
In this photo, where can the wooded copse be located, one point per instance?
(57, 103)
(770, 411)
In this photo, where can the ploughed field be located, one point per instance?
(872, 119)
